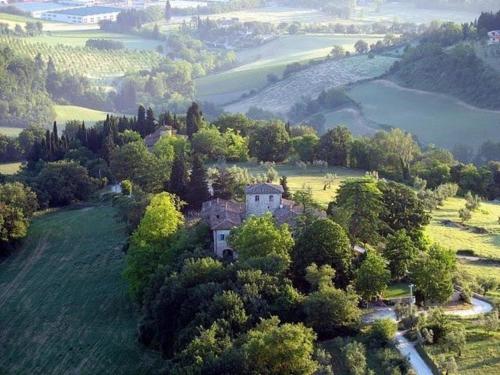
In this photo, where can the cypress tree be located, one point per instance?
(197, 192)
(150, 121)
(178, 178)
(168, 11)
(193, 120)
(286, 189)
(141, 120)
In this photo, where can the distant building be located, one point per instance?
(223, 215)
(37, 9)
(494, 37)
(164, 131)
(83, 15)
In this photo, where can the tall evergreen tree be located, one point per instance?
(286, 189)
(141, 120)
(168, 11)
(178, 178)
(197, 191)
(149, 122)
(193, 120)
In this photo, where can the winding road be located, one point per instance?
(406, 347)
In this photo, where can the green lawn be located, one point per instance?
(397, 290)
(64, 306)
(483, 245)
(481, 355)
(313, 177)
(72, 112)
(10, 132)
(9, 168)
(433, 118)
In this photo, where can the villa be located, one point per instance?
(494, 37)
(223, 215)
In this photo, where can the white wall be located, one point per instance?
(263, 204)
(220, 244)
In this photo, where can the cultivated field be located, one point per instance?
(456, 238)
(72, 112)
(64, 307)
(310, 82)
(272, 57)
(433, 118)
(78, 38)
(84, 61)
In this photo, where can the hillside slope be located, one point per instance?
(64, 307)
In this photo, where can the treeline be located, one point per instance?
(132, 19)
(488, 21)
(104, 44)
(458, 72)
(30, 29)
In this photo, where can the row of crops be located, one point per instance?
(82, 60)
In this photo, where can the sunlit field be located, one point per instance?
(455, 238)
(72, 112)
(9, 168)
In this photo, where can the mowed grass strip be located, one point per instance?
(64, 306)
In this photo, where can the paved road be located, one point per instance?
(407, 348)
(478, 307)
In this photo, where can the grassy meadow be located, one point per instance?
(312, 176)
(455, 238)
(9, 168)
(72, 112)
(481, 353)
(272, 57)
(64, 306)
(433, 118)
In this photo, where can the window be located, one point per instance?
(257, 197)
(271, 198)
(222, 237)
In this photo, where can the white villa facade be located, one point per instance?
(224, 215)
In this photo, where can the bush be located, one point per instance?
(384, 330)
(126, 186)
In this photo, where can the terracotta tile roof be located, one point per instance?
(222, 214)
(264, 188)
